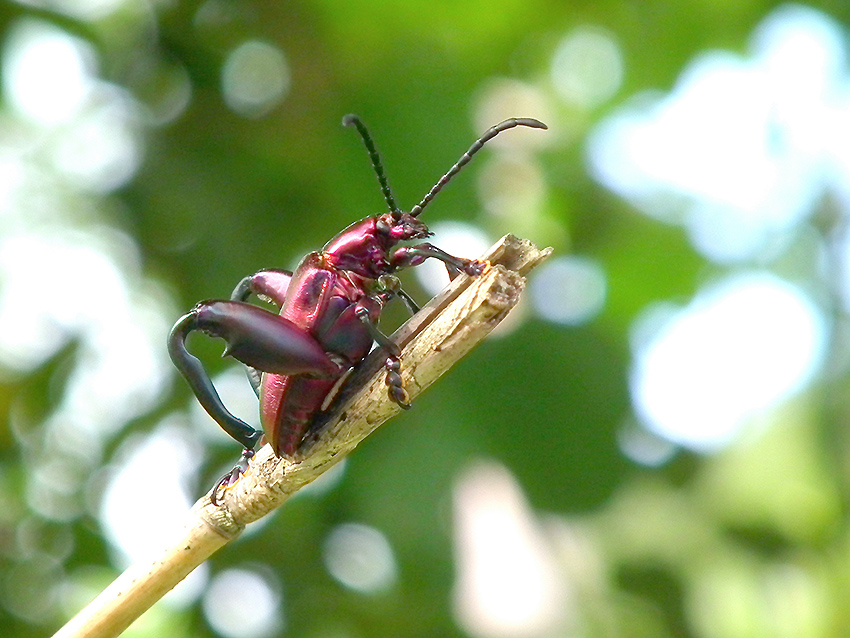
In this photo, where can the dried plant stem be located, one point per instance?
(435, 339)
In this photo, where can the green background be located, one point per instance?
(756, 534)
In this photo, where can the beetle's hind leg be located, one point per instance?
(229, 480)
(259, 339)
(195, 374)
(272, 285)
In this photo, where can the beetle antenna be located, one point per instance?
(353, 120)
(488, 135)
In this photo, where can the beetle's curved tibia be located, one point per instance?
(256, 337)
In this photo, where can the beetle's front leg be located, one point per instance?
(393, 362)
(414, 255)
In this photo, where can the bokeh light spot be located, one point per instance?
(163, 463)
(587, 68)
(512, 188)
(242, 603)
(507, 584)
(360, 557)
(735, 351)
(569, 290)
(47, 73)
(90, 10)
(643, 446)
(741, 149)
(30, 589)
(255, 78)
(101, 152)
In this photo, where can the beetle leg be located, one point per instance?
(271, 284)
(395, 384)
(257, 338)
(392, 364)
(392, 288)
(229, 480)
(415, 255)
(192, 369)
(412, 306)
(255, 378)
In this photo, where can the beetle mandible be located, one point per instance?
(328, 318)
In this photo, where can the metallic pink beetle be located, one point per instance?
(328, 319)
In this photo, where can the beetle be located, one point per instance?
(327, 321)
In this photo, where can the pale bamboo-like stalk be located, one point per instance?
(444, 331)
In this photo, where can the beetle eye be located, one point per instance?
(383, 227)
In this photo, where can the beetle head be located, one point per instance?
(363, 248)
(397, 226)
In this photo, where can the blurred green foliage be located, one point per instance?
(752, 541)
